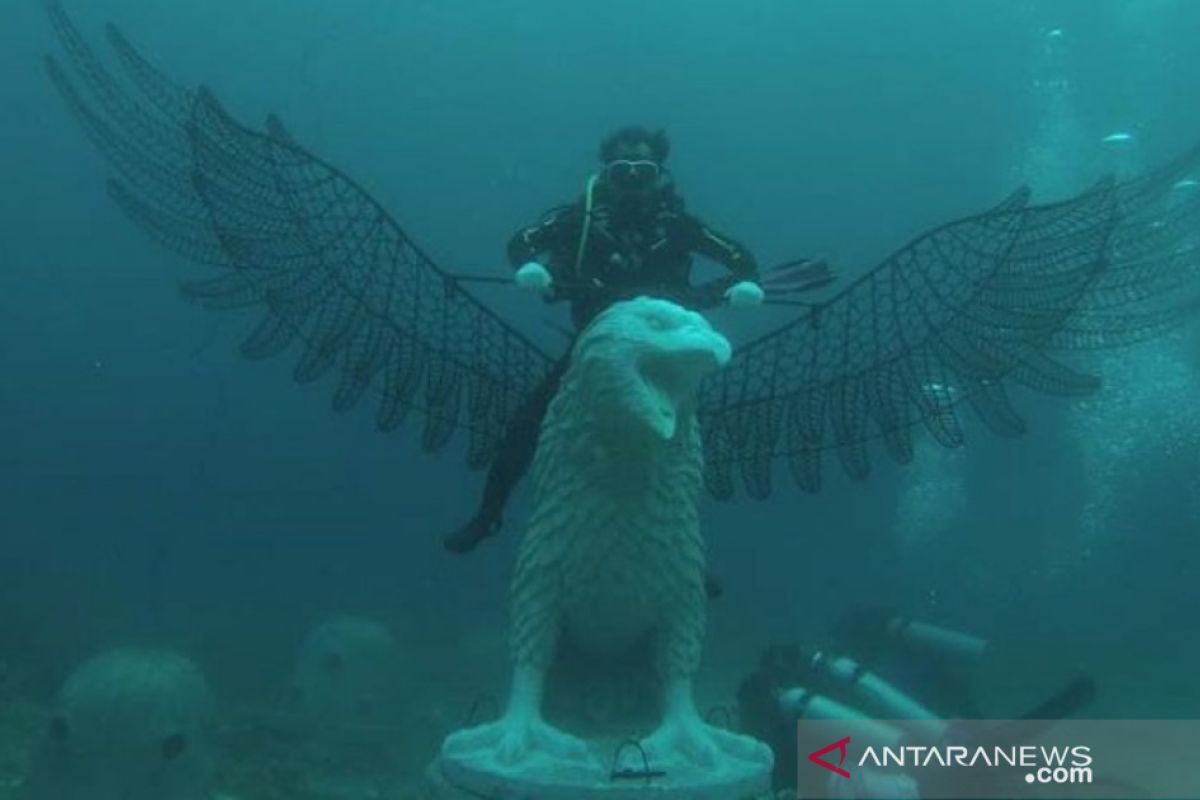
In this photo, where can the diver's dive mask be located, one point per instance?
(632, 174)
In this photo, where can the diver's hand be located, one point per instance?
(745, 294)
(533, 277)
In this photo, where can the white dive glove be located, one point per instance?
(533, 277)
(745, 294)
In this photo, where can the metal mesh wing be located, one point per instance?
(1150, 285)
(292, 236)
(949, 321)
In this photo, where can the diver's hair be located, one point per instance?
(631, 135)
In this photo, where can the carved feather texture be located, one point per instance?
(614, 548)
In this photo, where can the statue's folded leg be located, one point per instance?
(684, 738)
(521, 734)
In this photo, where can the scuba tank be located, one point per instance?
(877, 694)
(799, 703)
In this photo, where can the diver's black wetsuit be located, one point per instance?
(619, 249)
(627, 251)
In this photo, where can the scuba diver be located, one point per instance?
(628, 235)
(879, 665)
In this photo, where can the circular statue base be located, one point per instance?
(479, 776)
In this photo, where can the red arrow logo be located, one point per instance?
(840, 746)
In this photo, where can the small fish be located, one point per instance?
(1186, 183)
(1054, 33)
(1118, 138)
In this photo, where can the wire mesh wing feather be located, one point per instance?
(949, 321)
(294, 237)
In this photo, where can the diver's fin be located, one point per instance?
(797, 276)
(1062, 704)
(1065, 702)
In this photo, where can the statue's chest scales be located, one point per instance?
(626, 568)
(613, 550)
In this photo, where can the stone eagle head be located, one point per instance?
(639, 363)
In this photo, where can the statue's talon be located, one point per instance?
(689, 741)
(743, 748)
(481, 737)
(697, 743)
(514, 739)
(558, 743)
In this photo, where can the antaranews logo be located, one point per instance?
(1044, 764)
(818, 757)
(949, 768)
(882, 759)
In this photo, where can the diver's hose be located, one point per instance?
(588, 200)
